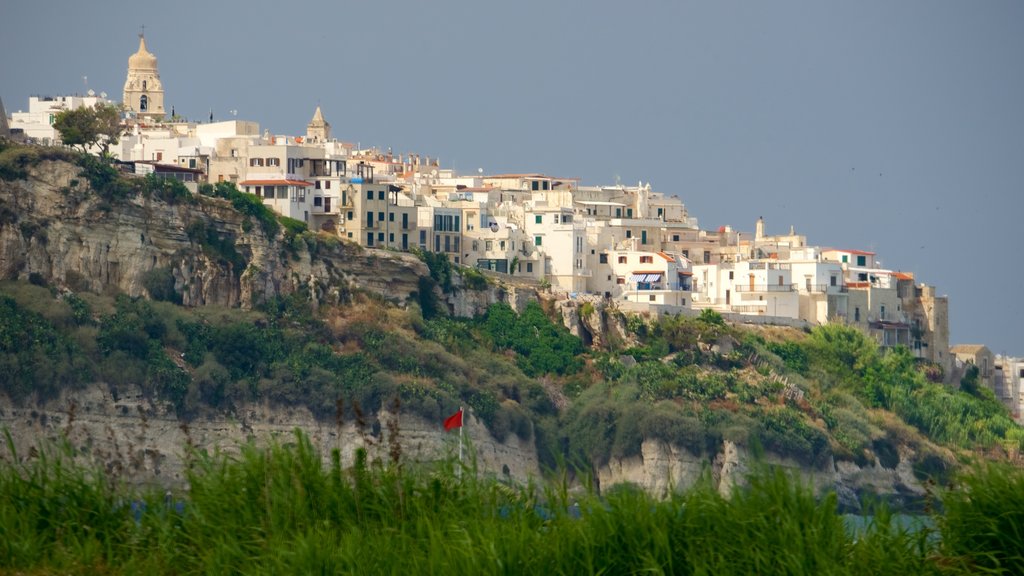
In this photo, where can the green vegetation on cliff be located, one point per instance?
(830, 394)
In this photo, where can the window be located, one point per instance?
(675, 237)
(535, 185)
(143, 103)
(629, 233)
(282, 192)
(501, 245)
(618, 212)
(647, 259)
(273, 161)
(143, 84)
(369, 238)
(350, 215)
(391, 217)
(268, 191)
(538, 219)
(380, 236)
(316, 184)
(622, 259)
(661, 212)
(730, 274)
(546, 185)
(856, 314)
(603, 259)
(380, 216)
(318, 201)
(862, 277)
(391, 237)
(651, 298)
(327, 184)
(529, 266)
(643, 236)
(536, 240)
(883, 312)
(861, 260)
(832, 280)
(369, 219)
(686, 254)
(620, 280)
(629, 212)
(405, 220)
(369, 194)
(846, 259)
(488, 245)
(707, 257)
(380, 195)
(255, 161)
(476, 246)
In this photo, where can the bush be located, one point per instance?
(159, 282)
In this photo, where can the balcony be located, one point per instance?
(827, 289)
(764, 287)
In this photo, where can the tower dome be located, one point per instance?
(143, 59)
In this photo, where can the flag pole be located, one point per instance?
(462, 424)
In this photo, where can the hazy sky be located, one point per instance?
(896, 127)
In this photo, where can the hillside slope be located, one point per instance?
(137, 303)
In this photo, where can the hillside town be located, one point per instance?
(628, 244)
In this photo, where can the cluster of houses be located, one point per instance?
(628, 244)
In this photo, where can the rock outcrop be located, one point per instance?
(144, 442)
(58, 230)
(660, 468)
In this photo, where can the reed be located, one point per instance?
(282, 509)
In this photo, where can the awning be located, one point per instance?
(644, 277)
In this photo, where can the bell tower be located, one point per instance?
(143, 92)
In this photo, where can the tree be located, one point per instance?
(99, 125)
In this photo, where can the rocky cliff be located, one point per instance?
(661, 468)
(56, 229)
(143, 441)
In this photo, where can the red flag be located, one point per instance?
(453, 421)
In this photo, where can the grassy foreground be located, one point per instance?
(281, 510)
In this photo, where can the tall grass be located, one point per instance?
(283, 510)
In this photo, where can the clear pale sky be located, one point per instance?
(895, 127)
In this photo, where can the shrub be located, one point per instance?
(159, 282)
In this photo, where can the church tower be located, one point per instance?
(318, 129)
(143, 92)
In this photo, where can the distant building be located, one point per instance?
(980, 356)
(37, 123)
(1009, 384)
(143, 92)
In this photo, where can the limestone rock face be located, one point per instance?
(56, 228)
(467, 303)
(661, 468)
(144, 442)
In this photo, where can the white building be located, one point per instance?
(1009, 384)
(37, 122)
